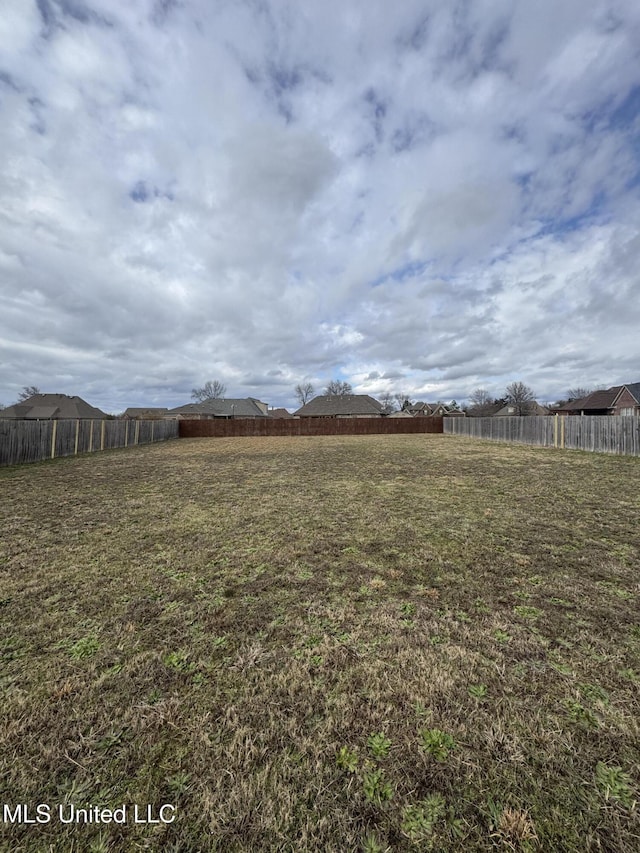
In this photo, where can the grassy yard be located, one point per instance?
(323, 644)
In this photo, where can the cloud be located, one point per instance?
(429, 199)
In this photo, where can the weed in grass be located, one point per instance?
(418, 820)
(629, 674)
(527, 612)
(178, 784)
(523, 595)
(99, 845)
(376, 788)
(436, 640)
(379, 745)
(420, 709)
(615, 784)
(85, 648)
(562, 668)
(436, 743)
(560, 602)
(478, 691)
(372, 844)
(594, 693)
(616, 590)
(179, 661)
(421, 820)
(502, 636)
(347, 759)
(580, 715)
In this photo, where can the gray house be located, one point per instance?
(219, 408)
(341, 406)
(46, 407)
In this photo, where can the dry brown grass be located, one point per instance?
(224, 624)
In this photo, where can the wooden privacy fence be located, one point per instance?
(232, 427)
(33, 441)
(600, 434)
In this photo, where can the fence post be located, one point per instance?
(75, 449)
(562, 431)
(152, 426)
(555, 430)
(91, 438)
(53, 438)
(126, 433)
(101, 435)
(137, 432)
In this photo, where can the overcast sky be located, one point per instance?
(423, 197)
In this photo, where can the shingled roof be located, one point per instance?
(342, 405)
(53, 407)
(228, 408)
(148, 413)
(598, 400)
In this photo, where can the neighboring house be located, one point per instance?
(418, 409)
(279, 413)
(428, 410)
(486, 411)
(403, 413)
(219, 408)
(512, 410)
(46, 407)
(618, 400)
(341, 406)
(148, 414)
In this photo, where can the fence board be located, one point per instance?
(619, 434)
(32, 441)
(236, 427)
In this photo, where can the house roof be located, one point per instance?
(148, 412)
(532, 407)
(342, 404)
(227, 408)
(53, 406)
(597, 400)
(634, 389)
(279, 413)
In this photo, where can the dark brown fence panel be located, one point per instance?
(239, 427)
(32, 441)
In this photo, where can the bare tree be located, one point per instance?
(578, 393)
(209, 391)
(520, 396)
(304, 392)
(28, 391)
(480, 402)
(402, 400)
(388, 403)
(336, 388)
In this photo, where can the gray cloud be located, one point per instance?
(424, 200)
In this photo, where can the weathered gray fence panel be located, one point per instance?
(618, 434)
(33, 441)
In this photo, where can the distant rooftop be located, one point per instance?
(53, 407)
